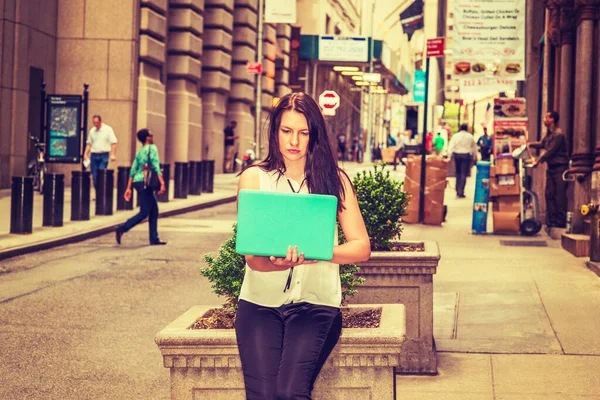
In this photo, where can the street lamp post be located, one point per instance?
(368, 147)
(259, 56)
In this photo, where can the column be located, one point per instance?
(241, 96)
(268, 82)
(152, 92)
(216, 80)
(583, 157)
(184, 68)
(282, 63)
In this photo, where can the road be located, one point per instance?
(78, 321)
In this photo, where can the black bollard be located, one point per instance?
(166, 174)
(208, 170)
(21, 205)
(80, 196)
(105, 182)
(195, 175)
(54, 199)
(122, 179)
(181, 180)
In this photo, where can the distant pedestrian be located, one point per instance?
(462, 146)
(438, 144)
(485, 145)
(230, 138)
(341, 138)
(399, 155)
(137, 179)
(429, 142)
(101, 142)
(556, 157)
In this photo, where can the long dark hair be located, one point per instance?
(321, 171)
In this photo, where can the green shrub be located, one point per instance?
(226, 273)
(382, 203)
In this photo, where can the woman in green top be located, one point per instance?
(148, 203)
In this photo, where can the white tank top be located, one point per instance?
(313, 283)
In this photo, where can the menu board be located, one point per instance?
(510, 124)
(489, 39)
(64, 129)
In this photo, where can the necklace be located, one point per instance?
(292, 186)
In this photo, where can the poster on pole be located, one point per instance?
(280, 11)
(510, 124)
(489, 39)
(63, 115)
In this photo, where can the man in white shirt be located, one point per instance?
(462, 145)
(101, 142)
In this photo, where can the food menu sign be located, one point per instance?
(64, 129)
(510, 124)
(489, 39)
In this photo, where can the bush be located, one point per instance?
(382, 203)
(226, 273)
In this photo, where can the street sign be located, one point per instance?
(254, 68)
(329, 101)
(371, 77)
(435, 47)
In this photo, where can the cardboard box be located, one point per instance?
(505, 185)
(506, 222)
(387, 155)
(505, 166)
(509, 204)
(435, 186)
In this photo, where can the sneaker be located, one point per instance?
(118, 234)
(157, 243)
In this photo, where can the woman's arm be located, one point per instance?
(357, 248)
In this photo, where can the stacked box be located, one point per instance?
(504, 192)
(435, 186)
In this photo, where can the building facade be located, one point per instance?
(177, 67)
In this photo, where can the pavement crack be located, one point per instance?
(562, 349)
(492, 377)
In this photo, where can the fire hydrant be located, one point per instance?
(592, 210)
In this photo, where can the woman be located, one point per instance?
(288, 319)
(148, 203)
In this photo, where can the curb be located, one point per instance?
(102, 230)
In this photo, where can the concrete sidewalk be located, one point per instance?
(225, 187)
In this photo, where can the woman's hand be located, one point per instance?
(162, 189)
(291, 259)
(127, 195)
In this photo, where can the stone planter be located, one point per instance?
(406, 278)
(205, 364)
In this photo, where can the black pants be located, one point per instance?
(283, 349)
(399, 155)
(148, 208)
(462, 164)
(556, 197)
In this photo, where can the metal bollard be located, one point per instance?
(166, 174)
(208, 170)
(105, 182)
(54, 199)
(181, 180)
(80, 196)
(21, 205)
(195, 175)
(122, 179)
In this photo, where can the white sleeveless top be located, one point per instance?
(317, 283)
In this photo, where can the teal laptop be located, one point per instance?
(269, 222)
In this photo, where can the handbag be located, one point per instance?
(152, 182)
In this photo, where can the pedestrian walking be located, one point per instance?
(399, 154)
(341, 138)
(484, 143)
(438, 144)
(556, 157)
(101, 142)
(146, 158)
(462, 146)
(288, 319)
(230, 138)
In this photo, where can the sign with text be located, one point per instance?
(63, 143)
(419, 88)
(329, 102)
(489, 39)
(254, 68)
(487, 85)
(341, 48)
(371, 77)
(280, 11)
(435, 47)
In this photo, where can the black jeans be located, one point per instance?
(283, 349)
(556, 196)
(462, 163)
(148, 208)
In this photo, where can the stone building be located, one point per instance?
(177, 67)
(568, 82)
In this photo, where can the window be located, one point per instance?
(327, 24)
